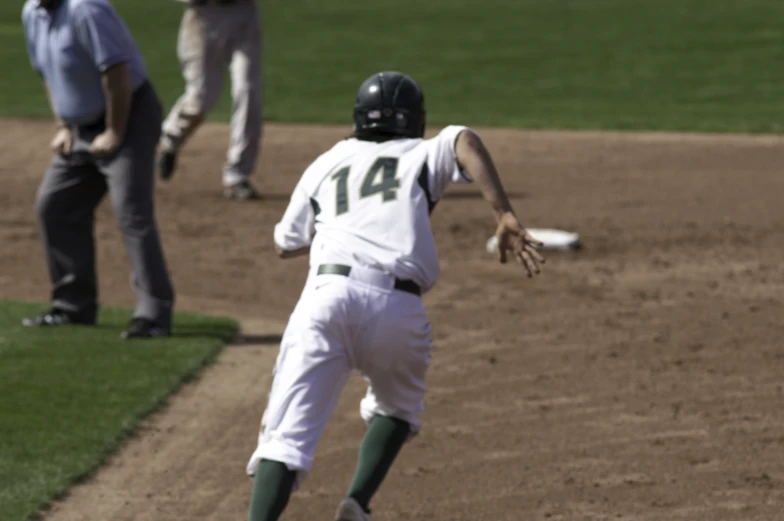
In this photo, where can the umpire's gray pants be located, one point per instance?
(72, 188)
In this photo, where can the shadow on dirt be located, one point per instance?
(464, 194)
(250, 339)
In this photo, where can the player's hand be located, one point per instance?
(105, 144)
(514, 239)
(62, 141)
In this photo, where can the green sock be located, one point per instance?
(272, 487)
(382, 442)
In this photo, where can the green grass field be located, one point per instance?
(70, 396)
(639, 64)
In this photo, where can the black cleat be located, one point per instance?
(242, 191)
(167, 164)
(56, 317)
(144, 328)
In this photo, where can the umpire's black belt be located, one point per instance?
(409, 286)
(199, 3)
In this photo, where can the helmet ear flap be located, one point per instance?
(422, 124)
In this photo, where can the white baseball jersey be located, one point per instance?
(368, 204)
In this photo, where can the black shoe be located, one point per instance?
(242, 191)
(167, 164)
(56, 317)
(144, 328)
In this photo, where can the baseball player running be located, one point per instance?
(214, 35)
(362, 212)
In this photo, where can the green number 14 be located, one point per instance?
(380, 178)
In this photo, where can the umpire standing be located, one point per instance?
(109, 119)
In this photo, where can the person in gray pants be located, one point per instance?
(109, 119)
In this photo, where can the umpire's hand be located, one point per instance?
(105, 144)
(62, 141)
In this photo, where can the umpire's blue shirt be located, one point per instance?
(72, 46)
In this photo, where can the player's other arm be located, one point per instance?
(292, 238)
(474, 158)
(290, 254)
(294, 233)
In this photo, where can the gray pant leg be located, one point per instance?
(65, 206)
(131, 181)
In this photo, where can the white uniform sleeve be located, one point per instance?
(442, 161)
(297, 227)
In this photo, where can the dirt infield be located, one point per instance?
(640, 379)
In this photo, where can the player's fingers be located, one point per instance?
(502, 247)
(535, 254)
(533, 264)
(530, 263)
(522, 260)
(530, 240)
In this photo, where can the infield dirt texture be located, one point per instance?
(637, 380)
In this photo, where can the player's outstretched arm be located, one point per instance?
(474, 158)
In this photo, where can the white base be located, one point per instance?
(552, 240)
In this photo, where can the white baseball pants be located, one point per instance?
(342, 323)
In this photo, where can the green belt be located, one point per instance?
(409, 286)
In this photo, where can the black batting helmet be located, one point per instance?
(389, 104)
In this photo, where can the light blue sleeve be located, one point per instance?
(102, 33)
(28, 23)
